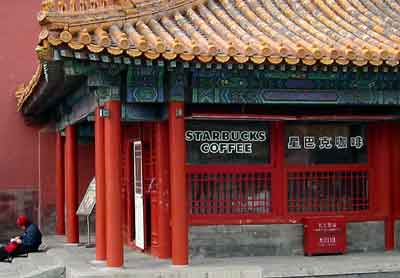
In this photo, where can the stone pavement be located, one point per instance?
(37, 265)
(77, 262)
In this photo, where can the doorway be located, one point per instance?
(139, 205)
(142, 188)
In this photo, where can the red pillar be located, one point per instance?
(101, 253)
(162, 176)
(179, 192)
(72, 185)
(112, 145)
(387, 160)
(60, 186)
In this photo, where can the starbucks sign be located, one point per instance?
(223, 142)
(226, 141)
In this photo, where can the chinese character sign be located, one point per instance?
(324, 142)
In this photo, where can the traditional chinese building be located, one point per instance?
(219, 126)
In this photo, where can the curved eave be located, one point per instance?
(224, 58)
(24, 91)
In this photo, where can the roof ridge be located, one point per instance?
(80, 12)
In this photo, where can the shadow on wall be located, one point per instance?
(48, 219)
(13, 203)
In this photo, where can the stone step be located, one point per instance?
(395, 274)
(52, 272)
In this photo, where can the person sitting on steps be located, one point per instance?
(31, 239)
(28, 242)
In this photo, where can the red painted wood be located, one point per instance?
(355, 176)
(131, 133)
(149, 187)
(112, 146)
(179, 194)
(101, 252)
(279, 183)
(388, 156)
(60, 186)
(395, 169)
(372, 155)
(389, 234)
(71, 184)
(162, 176)
(155, 241)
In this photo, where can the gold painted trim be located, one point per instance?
(392, 62)
(342, 61)
(275, 59)
(43, 34)
(258, 59)
(54, 40)
(292, 60)
(376, 62)
(115, 50)
(241, 59)
(152, 55)
(360, 62)
(65, 36)
(169, 55)
(75, 45)
(309, 61)
(205, 58)
(134, 53)
(327, 61)
(222, 58)
(95, 48)
(186, 57)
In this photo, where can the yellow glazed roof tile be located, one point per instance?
(328, 31)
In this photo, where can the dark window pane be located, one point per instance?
(336, 143)
(227, 142)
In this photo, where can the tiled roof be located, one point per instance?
(291, 31)
(341, 31)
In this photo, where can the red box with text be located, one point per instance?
(325, 235)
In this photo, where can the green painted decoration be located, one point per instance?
(145, 84)
(259, 87)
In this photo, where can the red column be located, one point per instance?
(279, 203)
(162, 176)
(72, 185)
(387, 160)
(179, 192)
(60, 186)
(100, 188)
(112, 145)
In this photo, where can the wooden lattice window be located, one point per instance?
(328, 191)
(229, 193)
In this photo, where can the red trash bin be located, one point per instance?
(324, 235)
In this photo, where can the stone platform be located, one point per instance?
(61, 261)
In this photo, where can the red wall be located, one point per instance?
(19, 143)
(19, 171)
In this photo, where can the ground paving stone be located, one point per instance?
(77, 262)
